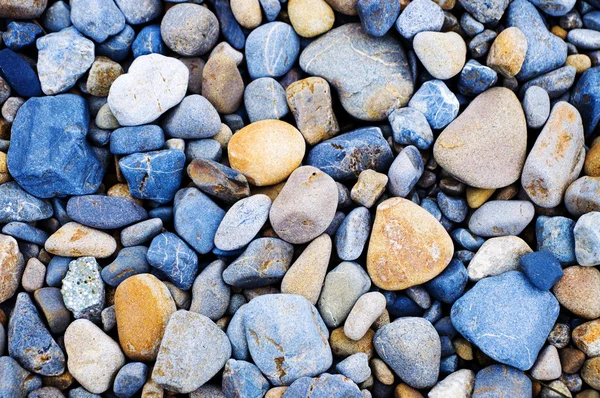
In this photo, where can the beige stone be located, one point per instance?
(507, 52)
(12, 265)
(310, 18)
(442, 54)
(580, 62)
(76, 240)
(222, 83)
(579, 291)
(369, 187)
(346, 7)
(102, 74)
(476, 197)
(247, 12)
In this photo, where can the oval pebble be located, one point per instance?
(501, 218)
(242, 222)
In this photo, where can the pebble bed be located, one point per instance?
(300, 198)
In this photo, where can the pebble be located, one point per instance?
(82, 288)
(586, 98)
(556, 83)
(193, 118)
(129, 140)
(174, 258)
(536, 104)
(335, 386)
(590, 374)
(584, 39)
(243, 379)
(310, 18)
(57, 17)
(16, 381)
(76, 240)
(210, 294)
(21, 35)
(33, 275)
(148, 41)
(365, 311)
(581, 196)
(542, 269)
(420, 16)
(369, 187)
(580, 62)
(247, 13)
(19, 74)
(130, 379)
(355, 367)
(377, 16)
(242, 222)
(405, 171)
(12, 265)
(578, 291)
(410, 127)
(222, 83)
(189, 29)
(555, 234)
(352, 234)
(501, 379)
(197, 228)
(442, 54)
(497, 256)
(218, 180)
(264, 98)
(448, 286)
(508, 51)
(457, 384)
(587, 239)
(50, 302)
(436, 102)
(271, 50)
(117, 47)
(475, 78)
(547, 366)
(17, 205)
(501, 218)
(97, 19)
(141, 232)
(102, 74)
(104, 212)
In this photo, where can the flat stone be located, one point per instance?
(218, 180)
(457, 384)
(265, 98)
(536, 104)
(16, 205)
(210, 294)
(499, 380)
(487, 11)
(193, 118)
(364, 313)
(475, 78)
(587, 239)
(442, 54)
(501, 218)
(585, 39)
(12, 265)
(547, 366)
(556, 83)
(420, 16)
(141, 232)
(83, 289)
(189, 29)
(130, 261)
(16, 381)
(496, 256)
(579, 291)
(508, 51)
(242, 222)
(271, 50)
(19, 75)
(405, 171)
(76, 240)
(343, 347)
(352, 234)
(171, 255)
(241, 378)
(104, 212)
(582, 196)
(335, 386)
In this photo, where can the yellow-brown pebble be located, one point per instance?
(310, 18)
(590, 373)
(343, 347)
(276, 392)
(153, 390)
(580, 62)
(346, 7)
(369, 187)
(121, 190)
(476, 197)
(272, 191)
(408, 246)
(560, 32)
(591, 166)
(267, 151)
(143, 306)
(62, 382)
(4, 176)
(588, 394)
(223, 136)
(464, 349)
(404, 391)
(446, 4)
(507, 53)
(76, 240)
(382, 372)
(246, 12)
(222, 84)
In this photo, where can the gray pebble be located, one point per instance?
(420, 16)
(536, 104)
(405, 171)
(242, 222)
(189, 29)
(501, 218)
(193, 118)
(210, 294)
(264, 98)
(355, 367)
(83, 289)
(352, 234)
(584, 39)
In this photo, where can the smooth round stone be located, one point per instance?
(343, 347)
(352, 234)
(143, 306)
(436, 102)
(189, 29)
(405, 171)
(139, 11)
(556, 82)
(271, 50)
(496, 256)
(93, 357)
(266, 152)
(174, 258)
(130, 379)
(129, 140)
(591, 165)
(585, 97)
(371, 74)
(148, 41)
(76, 240)
(366, 310)
(222, 83)
(579, 291)
(547, 366)
(210, 294)
(11, 107)
(507, 53)
(50, 302)
(218, 180)
(454, 209)
(501, 218)
(105, 119)
(82, 288)
(118, 47)
(141, 232)
(247, 13)
(442, 54)
(446, 287)
(242, 222)
(33, 275)
(410, 127)
(243, 379)
(152, 85)
(581, 62)
(193, 118)
(536, 104)
(101, 76)
(408, 246)
(499, 380)
(208, 149)
(12, 265)
(582, 196)
(584, 39)
(420, 16)
(326, 385)
(355, 367)
(104, 212)
(412, 348)
(310, 18)
(457, 384)
(587, 239)
(264, 98)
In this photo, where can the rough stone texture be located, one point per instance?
(242, 222)
(102, 74)
(210, 294)
(326, 385)
(498, 380)
(507, 52)
(18, 205)
(83, 289)
(485, 11)
(22, 9)
(12, 265)
(189, 29)
(76, 240)
(218, 180)
(579, 291)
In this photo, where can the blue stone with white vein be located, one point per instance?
(169, 254)
(436, 102)
(271, 50)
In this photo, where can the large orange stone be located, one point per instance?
(143, 306)
(408, 246)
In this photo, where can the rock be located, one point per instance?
(580, 62)
(16, 381)
(104, 212)
(587, 239)
(243, 379)
(369, 187)
(50, 302)
(30, 343)
(210, 294)
(21, 35)
(555, 234)
(590, 373)
(450, 284)
(410, 127)
(16, 205)
(335, 386)
(542, 269)
(148, 41)
(585, 337)
(293, 215)
(33, 275)
(355, 367)
(193, 118)
(536, 104)
(310, 18)
(556, 82)
(581, 196)
(271, 50)
(169, 254)
(118, 47)
(181, 350)
(129, 140)
(405, 171)
(501, 307)
(142, 94)
(264, 99)
(18, 9)
(497, 256)
(63, 57)
(76, 240)
(93, 357)
(12, 265)
(222, 83)
(571, 359)
(436, 102)
(141, 232)
(266, 152)
(102, 75)
(217, 180)
(49, 165)
(378, 16)
(370, 86)
(412, 348)
(130, 379)
(475, 78)
(442, 54)
(499, 380)
(242, 222)
(547, 366)
(82, 288)
(585, 39)
(343, 347)
(247, 13)
(579, 291)
(97, 19)
(501, 218)
(189, 29)
(286, 337)
(591, 165)
(507, 53)
(457, 384)
(352, 234)
(586, 98)
(366, 310)
(420, 16)
(137, 12)
(396, 259)
(200, 149)
(487, 11)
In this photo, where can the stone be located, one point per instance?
(264, 98)
(343, 347)
(405, 171)
(50, 302)
(189, 29)
(578, 291)
(33, 275)
(475, 78)
(76, 240)
(16, 205)
(143, 306)
(587, 239)
(171, 255)
(141, 232)
(130, 379)
(584, 39)
(366, 310)
(457, 384)
(591, 166)
(571, 359)
(82, 289)
(355, 367)
(497, 256)
(59, 161)
(97, 19)
(542, 269)
(137, 12)
(118, 47)
(18, 74)
(101, 76)
(222, 83)
(590, 373)
(448, 286)
(547, 366)
(352, 234)
(410, 127)
(508, 51)
(442, 54)
(271, 163)
(193, 118)
(181, 350)
(580, 62)
(232, 31)
(218, 180)
(326, 385)
(369, 187)
(142, 94)
(497, 380)
(499, 308)
(21, 35)
(148, 41)
(104, 212)
(412, 348)
(396, 259)
(487, 11)
(242, 222)
(501, 218)
(555, 234)
(556, 82)
(377, 16)
(16, 381)
(243, 379)
(57, 17)
(105, 119)
(536, 104)
(271, 50)
(12, 265)
(93, 357)
(585, 337)
(210, 294)
(586, 98)
(420, 16)
(199, 149)
(247, 13)
(129, 140)
(436, 102)
(581, 196)
(310, 18)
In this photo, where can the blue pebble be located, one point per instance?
(19, 75)
(433, 313)
(57, 270)
(164, 213)
(410, 127)
(16, 382)
(25, 232)
(585, 97)
(130, 261)
(196, 219)
(97, 19)
(377, 16)
(324, 385)
(141, 232)
(18, 205)
(355, 367)
(60, 210)
(105, 212)
(399, 305)
(447, 346)
(555, 83)
(148, 41)
(243, 379)
(448, 286)
(193, 118)
(264, 98)
(475, 78)
(130, 379)
(449, 365)
(117, 47)
(128, 140)
(230, 28)
(271, 50)
(420, 16)
(170, 255)
(545, 51)
(271, 8)
(81, 392)
(432, 207)
(136, 13)
(30, 343)
(555, 234)
(501, 381)
(405, 171)
(454, 209)
(352, 234)
(591, 20)
(153, 175)
(485, 11)
(465, 256)
(237, 335)
(507, 317)
(555, 8)
(344, 157)
(98, 136)
(57, 17)
(467, 239)
(470, 25)
(207, 149)
(21, 35)
(542, 269)
(436, 102)
(444, 327)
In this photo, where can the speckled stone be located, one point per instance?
(587, 239)
(585, 337)
(442, 54)
(499, 380)
(222, 83)
(501, 218)
(130, 379)
(352, 234)
(395, 258)
(83, 289)
(377, 16)
(33, 275)
(76, 240)
(310, 18)
(364, 313)
(368, 188)
(210, 294)
(265, 98)
(193, 118)
(355, 367)
(327, 385)
(12, 265)
(243, 379)
(536, 104)
(101, 76)
(508, 52)
(16, 381)
(189, 29)
(496, 256)
(21, 35)
(420, 16)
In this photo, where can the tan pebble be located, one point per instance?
(343, 347)
(121, 190)
(560, 32)
(247, 12)
(62, 382)
(382, 372)
(580, 62)
(591, 165)
(368, 384)
(587, 338)
(443, 54)
(222, 83)
(476, 197)
(4, 175)
(310, 18)
(33, 276)
(446, 4)
(12, 265)
(272, 191)
(369, 187)
(579, 292)
(102, 74)
(507, 193)
(225, 48)
(267, 151)
(464, 349)
(76, 240)
(195, 66)
(404, 391)
(383, 320)
(152, 390)
(346, 7)
(223, 322)
(276, 392)
(507, 52)
(366, 310)
(223, 136)
(588, 394)
(571, 359)
(590, 373)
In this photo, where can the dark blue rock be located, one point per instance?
(345, 156)
(436, 102)
(153, 175)
(475, 78)
(50, 302)
(97, 19)
(470, 25)
(545, 52)
(164, 213)
(170, 255)
(21, 35)
(19, 75)
(399, 305)
(130, 261)
(271, 50)
(586, 98)
(467, 239)
(507, 317)
(25, 232)
(555, 234)
(16, 382)
(542, 269)
(444, 327)
(454, 209)
(98, 136)
(130, 379)
(448, 365)
(57, 17)
(485, 11)
(377, 16)
(464, 255)
(432, 207)
(60, 210)
(230, 28)
(448, 286)
(30, 343)
(591, 20)
(117, 47)
(56, 270)
(433, 313)
(18, 205)
(243, 379)
(322, 386)
(105, 212)
(141, 232)
(555, 83)
(447, 346)
(49, 155)
(148, 41)
(128, 140)
(501, 381)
